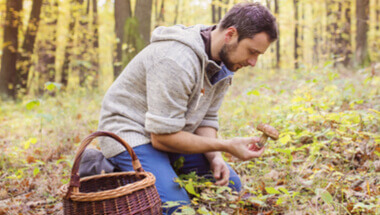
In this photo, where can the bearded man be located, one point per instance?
(165, 102)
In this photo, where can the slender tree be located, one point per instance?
(10, 46)
(143, 12)
(296, 36)
(268, 4)
(378, 16)
(346, 34)
(156, 12)
(82, 65)
(213, 11)
(220, 10)
(377, 28)
(316, 35)
(335, 30)
(28, 45)
(226, 3)
(95, 39)
(277, 13)
(362, 16)
(47, 44)
(176, 11)
(216, 10)
(329, 29)
(69, 49)
(302, 30)
(161, 15)
(122, 12)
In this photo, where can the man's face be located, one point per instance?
(236, 55)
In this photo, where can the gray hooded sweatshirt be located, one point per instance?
(166, 88)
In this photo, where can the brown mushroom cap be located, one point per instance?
(268, 130)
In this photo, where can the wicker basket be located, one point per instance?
(112, 193)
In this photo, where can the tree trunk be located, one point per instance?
(362, 16)
(213, 11)
(28, 45)
(83, 43)
(268, 4)
(176, 11)
(161, 16)
(329, 35)
(95, 58)
(377, 36)
(316, 36)
(302, 31)
(337, 36)
(143, 13)
(70, 45)
(346, 36)
(378, 17)
(227, 2)
(47, 44)
(277, 13)
(216, 10)
(271, 51)
(296, 44)
(220, 10)
(122, 12)
(10, 46)
(156, 12)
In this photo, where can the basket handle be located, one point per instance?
(74, 180)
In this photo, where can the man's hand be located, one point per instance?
(220, 171)
(242, 147)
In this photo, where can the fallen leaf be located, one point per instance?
(30, 159)
(76, 139)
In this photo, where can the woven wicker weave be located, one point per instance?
(112, 193)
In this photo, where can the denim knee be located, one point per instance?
(234, 181)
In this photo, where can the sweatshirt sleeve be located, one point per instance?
(169, 87)
(211, 117)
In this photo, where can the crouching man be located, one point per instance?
(165, 103)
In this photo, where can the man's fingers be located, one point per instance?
(217, 172)
(225, 175)
(254, 147)
(258, 153)
(255, 139)
(253, 154)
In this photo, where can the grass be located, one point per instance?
(325, 162)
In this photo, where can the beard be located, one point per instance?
(224, 55)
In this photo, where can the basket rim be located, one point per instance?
(78, 196)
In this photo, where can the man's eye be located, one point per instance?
(253, 52)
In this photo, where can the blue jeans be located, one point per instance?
(160, 164)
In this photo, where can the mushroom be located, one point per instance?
(268, 131)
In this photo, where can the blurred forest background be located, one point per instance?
(319, 85)
(87, 43)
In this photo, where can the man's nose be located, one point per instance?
(252, 61)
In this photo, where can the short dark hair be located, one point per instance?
(250, 19)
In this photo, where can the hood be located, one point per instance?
(191, 37)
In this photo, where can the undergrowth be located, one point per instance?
(325, 162)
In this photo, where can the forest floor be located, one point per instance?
(325, 162)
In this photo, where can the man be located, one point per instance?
(165, 102)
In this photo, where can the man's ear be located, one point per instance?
(231, 32)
